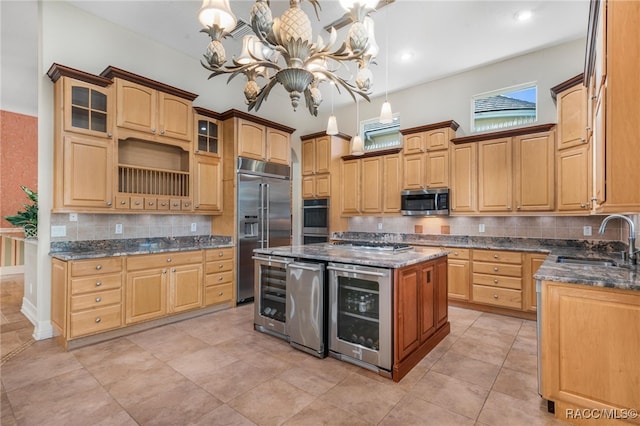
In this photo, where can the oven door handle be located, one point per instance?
(356, 271)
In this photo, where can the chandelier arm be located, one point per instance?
(262, 96)
(308, 98)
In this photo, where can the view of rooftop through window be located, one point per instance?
(501, 109)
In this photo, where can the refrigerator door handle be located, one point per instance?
(262, 215)
(266, 206)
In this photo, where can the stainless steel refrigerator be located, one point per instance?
(264, 216)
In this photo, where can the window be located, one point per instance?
(377, 136)
(501, 109)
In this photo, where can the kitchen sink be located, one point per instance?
(589, 261)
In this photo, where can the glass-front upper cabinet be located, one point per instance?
(87, 108)
(208, 140)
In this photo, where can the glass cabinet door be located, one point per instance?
(273, 292)
(208, 140)
(358, 319)
(87, 108)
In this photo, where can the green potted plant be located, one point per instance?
(28, 218)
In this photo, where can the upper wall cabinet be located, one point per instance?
(88, 108)
(263, 143)
(158, 112)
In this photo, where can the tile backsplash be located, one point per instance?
(554, 227)
(103, 226)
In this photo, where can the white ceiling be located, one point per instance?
(445, 37)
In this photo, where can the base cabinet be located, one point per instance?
(590, 355)
(146, 295)
(218, 286)
(459, 273)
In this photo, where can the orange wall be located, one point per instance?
(18, 161)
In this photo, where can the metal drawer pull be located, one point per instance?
(98, 267)
(163, 204)
(98, 283)
(123, 202)
(455, 253)
(495, 281)
(495, 269)
(220, 266)
(173, 270)
(222, 254)
(109, 203)
(98, 319)
(355, 271)
(495, 296)
(98, 299)
(495, 256)
(220, 278)
(220, 293)
(137, 203)
(150, 203)
(168, 259)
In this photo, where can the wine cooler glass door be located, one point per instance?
(271, 290)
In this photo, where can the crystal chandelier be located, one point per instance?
(281, 50)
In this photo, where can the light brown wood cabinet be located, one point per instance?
(574, 167)
(316, 166)
(87, 107)
(531, 263)
(420, 312)
(464, 179)
(497, 278)
(426, 156)
(263, 143)
(613, 74)
(589, 357)
(459, 273)
(350, 187)
(207, 185)
(219, 276)
(160, 284)
(372, 185)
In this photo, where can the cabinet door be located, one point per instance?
(458, 273)
(392, 183)
(413, 171)
(599, 144)
(251, 140)
(464, 174)
(207, 184)
(534, 171)
(441, 289)
(495, 175)
(322, 186)
(186, 288)
(372, 181)
(437, 139)
(308, 157)
(136, 106)
(574, 171)
(323, 154)
(146, 295)
(88, 172)
(278, 147)
(407, 315)
(87, 108)
(427, 301)
(413, 144)
(437, 169)
(350, 187)
(532, 263)
(308, 187)
(572, 117)
(175, 117)
(208, 136)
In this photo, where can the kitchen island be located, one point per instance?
(398, 297)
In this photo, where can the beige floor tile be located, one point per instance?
(320, 413)
(201, 363)
(468, 369)
(501, 409)
(522, 360)
(473, 349)
(142, 385)
(271, 403)
(223, 415)
(307, 380)
(234, 380)
(517, 384)
(168, 342)
(414, 411)
(526, 344)
(485, 336)
(365, 398)
(452, 394)
(6, 412)
(499, 323)
(329, 369)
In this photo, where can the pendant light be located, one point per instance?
(386, 116)
(332, 124)
(357, 148)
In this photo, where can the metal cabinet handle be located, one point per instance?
(518, 207)
(98, 299)
(355, 271)
(495, 256)
(98, 283)
(151, 203)
(153, 130)
(123, 202)
(173, 270)
(98, 320)
(495, 296)
(495, 269)
(220, 266)
(109, 134)
(176, 204)
(163, 204)
(162, 132)
(98, 267)
(220, 278)
(220, 293)
(109, 203)
(168, 259)
(495, 281)
(455, 253)
(220, 254)
(197, 206)
(164, 271)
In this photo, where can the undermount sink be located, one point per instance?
(586, 261)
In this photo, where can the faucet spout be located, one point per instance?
(633, 253)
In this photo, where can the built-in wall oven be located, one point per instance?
(315, 221)
(360, 315)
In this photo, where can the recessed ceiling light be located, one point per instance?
(406, 56)
(524, 15)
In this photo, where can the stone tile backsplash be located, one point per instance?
(554, 227)
(102, 226)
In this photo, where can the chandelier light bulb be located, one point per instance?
(332, 126)
(350, 4)
(217, 12)
(386, 116)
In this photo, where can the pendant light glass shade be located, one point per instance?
(386, 116)
(217, 12)
(332, 126)
(357, 148)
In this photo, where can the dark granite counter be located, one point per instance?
(356, 255)
(74, 250)
(622, 276)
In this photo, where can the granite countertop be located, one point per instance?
(622, 276)
(74, 250)
(356, 255)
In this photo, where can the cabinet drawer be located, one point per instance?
(219, 266)
(497, 269)
(503, 297)
(137, 203)
(220, 278)
(122, 202)
(96, 283)
(103, 265)
(163, 203)
(95, 300)
(150, 203)
(497, 256)
(162, 260)
(218, 294)
(219, 254)
(498, 281)
(458, 253)
(95, 320)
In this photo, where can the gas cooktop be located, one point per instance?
(367, 245)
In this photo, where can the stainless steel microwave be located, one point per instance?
(425, 202)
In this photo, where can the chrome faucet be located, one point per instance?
(633, 253)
